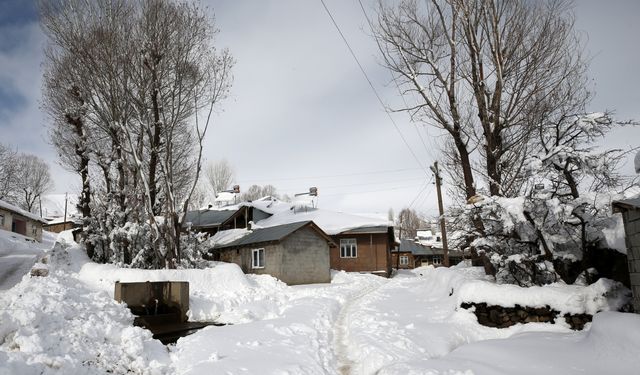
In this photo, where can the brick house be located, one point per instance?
(14, 219)
(295, 253)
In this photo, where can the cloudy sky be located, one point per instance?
(301, 113)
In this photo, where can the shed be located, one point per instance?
(15, 219)
(630, 210)
(211, 220)
(296, 253)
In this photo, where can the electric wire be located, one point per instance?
(375, 92)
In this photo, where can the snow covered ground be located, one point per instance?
(18, 254)
(68, 323)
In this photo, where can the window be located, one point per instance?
(34, 231)
(348, 248)
(437, 260)
(257, 258)
(1, 221)
(404, 260)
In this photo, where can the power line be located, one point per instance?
(373, 87)
(371, 191)
(395, 82)
(332, 176)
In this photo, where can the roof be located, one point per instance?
(416, 248)
(15, 209)
(208, 218)
(331, 222)
(272, 234)
(374, 229)
(627, 204)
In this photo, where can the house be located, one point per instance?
(630, 210)
(412, 254)
(296, 253)
(363, 244)
(364, 249)
(15, 219)
(58, 225)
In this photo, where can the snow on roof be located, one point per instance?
(269, 205)
(225, 197)
(9, 207)
(329, 221)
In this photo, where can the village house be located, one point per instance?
(295, 253)
(412, 254)
(630, 210)
(14, 219)
(364, 249)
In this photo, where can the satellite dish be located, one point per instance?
(637, 162)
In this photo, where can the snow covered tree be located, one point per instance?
(125, 85)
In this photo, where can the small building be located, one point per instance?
(58, 225)
(15, 219)
(630, 210)
(412, 254)
(295, 253)
(364, 249)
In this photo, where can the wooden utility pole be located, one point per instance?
(443, 228)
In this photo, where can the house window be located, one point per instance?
(437, 260)
(34, 231)
(404, 260)
(348, 248)
(1, 221)
(257, 258)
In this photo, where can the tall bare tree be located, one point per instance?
(8, 172)
(33, 181)
(481, 70)
(219, 175)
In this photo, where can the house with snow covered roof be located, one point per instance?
(14, 219)
(296, 253)
(363, 243)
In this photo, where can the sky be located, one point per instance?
(302, 114)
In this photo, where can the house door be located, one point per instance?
(19, 226)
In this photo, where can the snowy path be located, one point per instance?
(13, 267)
(341, 329)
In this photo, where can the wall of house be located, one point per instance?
(58, 227)
(396, 264)
(632, 229)
(7, 217)
(302, 258)
(373, 254)
(26, 226)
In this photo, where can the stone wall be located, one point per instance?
(632, 229)
(503, 317)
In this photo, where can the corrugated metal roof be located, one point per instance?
(376, 229)
(263, 235)
(208, 218)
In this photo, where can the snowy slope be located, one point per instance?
(17, 255)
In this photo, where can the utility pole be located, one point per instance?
(443, 228)
(64, 223)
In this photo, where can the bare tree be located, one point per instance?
(8, 172)
(480, 70)
(33, 181)
(219, 175)
(409, 222)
